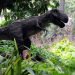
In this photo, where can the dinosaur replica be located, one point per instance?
(21, 30)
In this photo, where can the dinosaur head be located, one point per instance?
(58, 18)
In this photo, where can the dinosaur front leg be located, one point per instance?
(38, 26)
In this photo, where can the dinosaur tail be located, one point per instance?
(3, 34)
(1, 31)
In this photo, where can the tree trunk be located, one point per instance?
(62, 4)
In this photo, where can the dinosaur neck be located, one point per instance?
(46, 17)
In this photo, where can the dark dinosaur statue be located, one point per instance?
(22, 29)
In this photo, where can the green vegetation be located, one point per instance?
(59, 60)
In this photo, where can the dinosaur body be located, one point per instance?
(22, 29)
